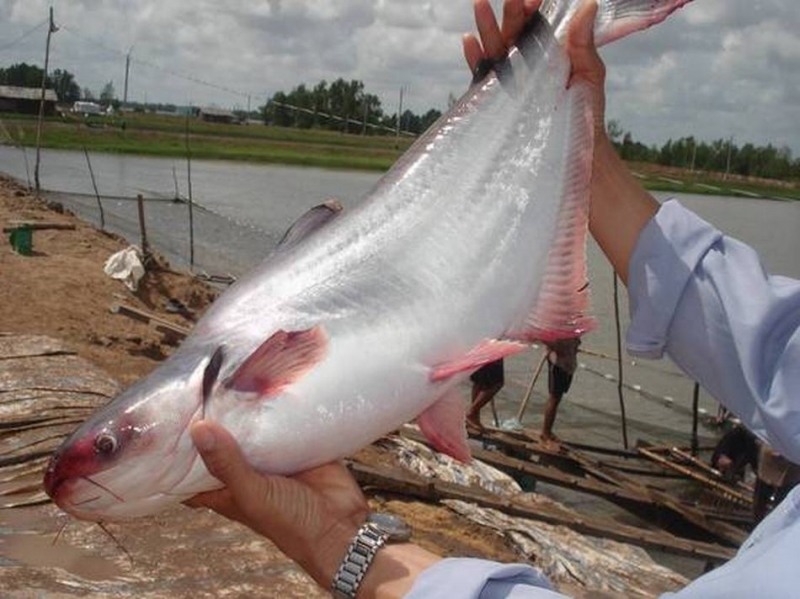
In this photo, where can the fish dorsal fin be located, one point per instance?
(480, 355)
(313, 220)
(562, 303)
(443, 425)
(280, 361)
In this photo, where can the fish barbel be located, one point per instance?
(468, 249)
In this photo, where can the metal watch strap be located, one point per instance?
(357, 560)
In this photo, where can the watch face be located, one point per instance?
(394, 526)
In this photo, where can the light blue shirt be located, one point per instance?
(705, 300)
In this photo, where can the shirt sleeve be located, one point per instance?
(705, 300)
(468, 578)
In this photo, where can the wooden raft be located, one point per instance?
(46, 391)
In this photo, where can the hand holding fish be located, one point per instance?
(311, 516)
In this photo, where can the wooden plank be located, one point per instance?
(406, 483)
(715, 474)
(161, 325)
(37, 225)
(570, 457)
(725, 490)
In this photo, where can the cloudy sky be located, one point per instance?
(718, 68)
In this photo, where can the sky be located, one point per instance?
(716, 69)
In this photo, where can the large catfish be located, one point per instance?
(469, 248)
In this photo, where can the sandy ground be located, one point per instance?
(61, 291)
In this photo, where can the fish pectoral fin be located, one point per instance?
(485, 352)
(280, 361)
(443, 425)
(210, 374)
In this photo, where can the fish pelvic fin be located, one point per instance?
(480, 355)
(280, 361)
(443, 425)
(562, 303)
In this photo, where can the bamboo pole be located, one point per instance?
(619, 363)
(50, 31)
(96, 193)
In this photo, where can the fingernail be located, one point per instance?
(203, 438)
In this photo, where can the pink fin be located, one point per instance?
(279, 361)
(485, 352)
(563, 298)
(443, 425)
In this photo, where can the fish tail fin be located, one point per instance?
(562, 303)
(615, 18)
(618, 18)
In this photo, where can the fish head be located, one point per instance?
(132, 457)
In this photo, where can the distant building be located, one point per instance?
(26, 100)
(217, 115)
(87, 108)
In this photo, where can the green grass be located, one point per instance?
(153, 135)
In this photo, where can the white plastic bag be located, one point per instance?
(126, 266)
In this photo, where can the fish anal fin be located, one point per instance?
(480, 355)
(443, 426)
(562, 302)
(280, 361)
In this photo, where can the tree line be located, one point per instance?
(60, 80)
(340, 106)
(721, 155)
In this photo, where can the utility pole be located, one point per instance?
(399, 113)
(50, 31)
(728, 164)
(127, 70)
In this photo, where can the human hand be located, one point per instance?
(495, 40)
(311, 516)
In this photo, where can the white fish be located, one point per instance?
(470, 247)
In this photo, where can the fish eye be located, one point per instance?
(105, 443)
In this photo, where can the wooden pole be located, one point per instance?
(96, 193)
(529, 392)
(142, 228)
(191, 204)
(695, 418)
(619, 363)
(50, 31)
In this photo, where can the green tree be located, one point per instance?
(107, 96)
(65, 86)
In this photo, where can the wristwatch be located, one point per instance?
(378, 530)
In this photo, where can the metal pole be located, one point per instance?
(619, 363)
(50, 31)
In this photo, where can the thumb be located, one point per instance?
(221, 455)
(586, 62)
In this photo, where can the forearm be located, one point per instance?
(620, 206)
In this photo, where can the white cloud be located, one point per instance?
(716, 68)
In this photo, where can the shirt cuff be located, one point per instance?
(667, 252)
(468, 578)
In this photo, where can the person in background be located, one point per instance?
(775, 478)
(562, 361)
(695, 294)
(486, 383)
(737, 449)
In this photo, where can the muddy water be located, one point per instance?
(244, 211)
